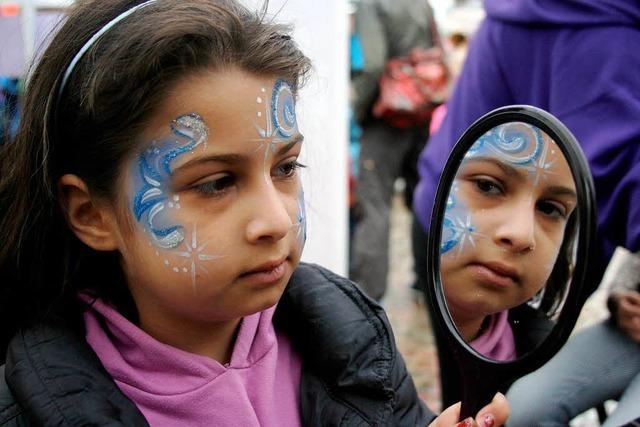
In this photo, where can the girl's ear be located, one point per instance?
(92, 222)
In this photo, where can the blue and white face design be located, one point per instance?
(505, 220)
(191, 189)
(153, 200)
(154, 203)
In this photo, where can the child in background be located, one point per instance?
(154, 218)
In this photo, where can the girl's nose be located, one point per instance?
(270, 220)
(515, 230)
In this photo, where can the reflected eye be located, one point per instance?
(488, 186)
(287, 169)
(551, 209)
(216, 187)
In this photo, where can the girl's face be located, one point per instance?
(215, 220)
(505, 221)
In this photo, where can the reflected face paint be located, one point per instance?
(506, 212)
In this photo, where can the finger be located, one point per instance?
(495, 413)
(448, 417)
(626, 308)
(633, 297)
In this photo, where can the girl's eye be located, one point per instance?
(488, 186)
(287, 169)
(551, 209)
(216, 187)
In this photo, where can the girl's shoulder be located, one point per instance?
(53, 376)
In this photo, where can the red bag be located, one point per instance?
(411, 87)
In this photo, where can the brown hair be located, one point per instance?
(91, 128)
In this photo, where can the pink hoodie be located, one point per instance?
(259, 387)
(497, 342)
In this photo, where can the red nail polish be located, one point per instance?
(466, 423)
(488, 420)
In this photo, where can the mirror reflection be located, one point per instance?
(508, 240)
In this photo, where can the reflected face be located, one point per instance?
(505, 221)
(214, 203)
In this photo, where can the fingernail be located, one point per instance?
(466, 423)
(488, 420)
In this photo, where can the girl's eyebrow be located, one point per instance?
(506, 168)
(235, 158)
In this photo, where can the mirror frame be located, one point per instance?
(482, 377)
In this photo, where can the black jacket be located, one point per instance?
(352, 373)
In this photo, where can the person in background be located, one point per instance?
(579, 61)
(387, 29)
(599, 363)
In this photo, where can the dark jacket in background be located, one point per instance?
(352, 373)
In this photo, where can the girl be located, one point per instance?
(508, 237)
(156, 219)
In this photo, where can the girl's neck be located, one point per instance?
(210, 339)
(469, 327)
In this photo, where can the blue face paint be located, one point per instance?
(516, 143)
(301, 220)
(283, 110)
(153, 199)
(457, 226)
(280, 121)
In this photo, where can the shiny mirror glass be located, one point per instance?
(508, 240)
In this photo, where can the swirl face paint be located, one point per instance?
(154, 201)
(153, 198)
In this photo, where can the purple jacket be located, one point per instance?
(579, 60)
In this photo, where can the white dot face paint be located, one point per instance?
(507, 214)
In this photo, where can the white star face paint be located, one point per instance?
(505, 221)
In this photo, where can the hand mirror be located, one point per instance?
(509, 247)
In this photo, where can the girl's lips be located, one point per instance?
(492, 276)
(266, 274)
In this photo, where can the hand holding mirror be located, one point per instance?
(509, 246)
